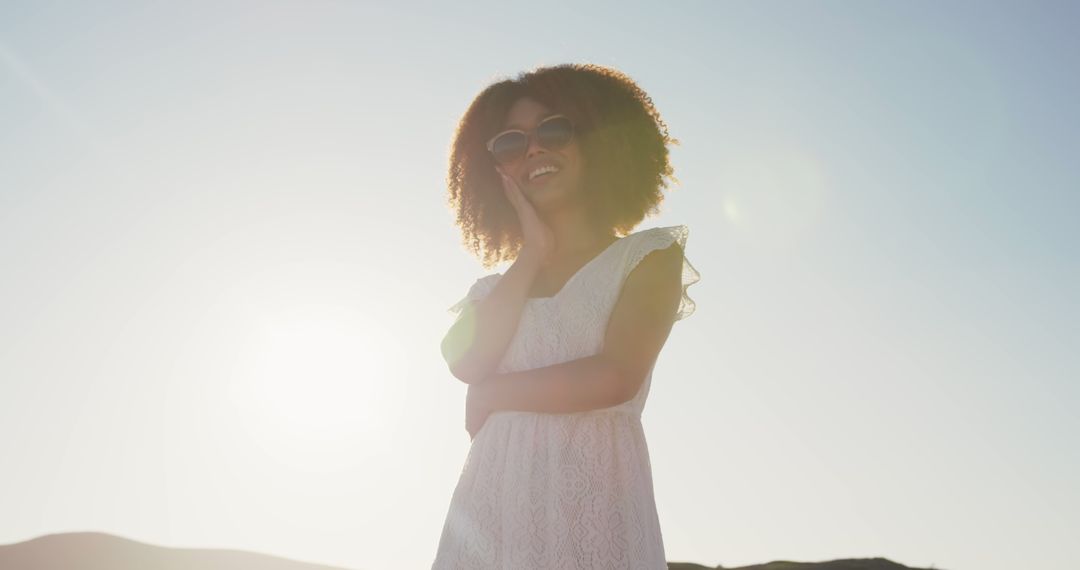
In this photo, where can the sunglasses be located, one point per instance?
(552, 133)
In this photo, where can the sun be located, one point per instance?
(314, 389)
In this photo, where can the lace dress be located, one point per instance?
(565, 491)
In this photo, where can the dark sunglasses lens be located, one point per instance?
(508, 146)
(555, 133)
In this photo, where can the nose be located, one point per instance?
(534, 146)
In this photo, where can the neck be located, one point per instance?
(574, 232)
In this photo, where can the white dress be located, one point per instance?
(563, 491)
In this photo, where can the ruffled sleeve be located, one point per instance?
(662, 238)
(478, 291)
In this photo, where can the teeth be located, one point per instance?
(542, 170)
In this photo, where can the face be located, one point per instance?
(547, 189)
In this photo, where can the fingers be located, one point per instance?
(508, 182)
(513, 192)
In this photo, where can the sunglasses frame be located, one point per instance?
(529, 135)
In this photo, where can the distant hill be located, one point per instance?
(841, 564)
(102, 551)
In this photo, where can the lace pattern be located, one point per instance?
(567, 491)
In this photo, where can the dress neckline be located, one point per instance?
(580, 270)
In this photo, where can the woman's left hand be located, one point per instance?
(476, 410)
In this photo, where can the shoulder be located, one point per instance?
(654, 270)
(477, 291)
(486, 282)
(655, 249)
(657, 272)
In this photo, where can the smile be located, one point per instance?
(542, 171)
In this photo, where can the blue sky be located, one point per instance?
(227, 259)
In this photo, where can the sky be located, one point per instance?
(226, 258)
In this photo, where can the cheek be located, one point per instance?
(579, 168)
(577, 162)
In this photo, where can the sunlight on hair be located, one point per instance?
(315, 391)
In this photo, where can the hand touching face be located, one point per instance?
(546, 176)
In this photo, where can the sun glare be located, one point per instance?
(775, 195)
(315, 391)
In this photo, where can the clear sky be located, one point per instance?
(227, 259)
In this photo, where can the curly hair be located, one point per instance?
(624, 144)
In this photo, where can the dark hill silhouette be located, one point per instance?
(101, 551)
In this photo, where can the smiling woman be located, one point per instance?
(558, 350)
(311, 389)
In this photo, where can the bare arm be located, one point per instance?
(637, 329)
(476, 342)
(579, 385)
(478, 339)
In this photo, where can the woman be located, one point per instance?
(547, 170)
